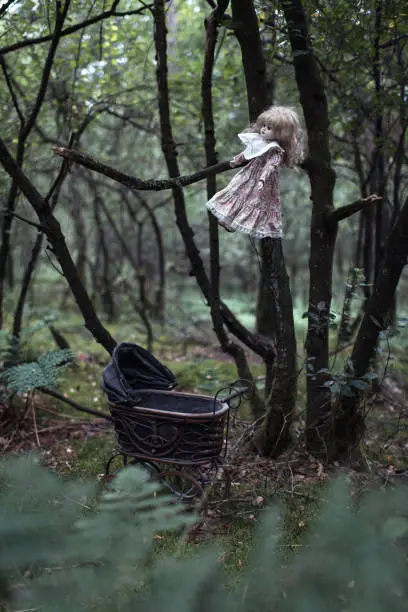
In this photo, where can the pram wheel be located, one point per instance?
(118, 461)
(179, 481)
(184, 486)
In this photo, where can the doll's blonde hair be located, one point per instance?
(286, 131)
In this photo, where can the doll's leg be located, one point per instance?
(225, 226)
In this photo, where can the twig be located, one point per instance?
(249, 431)
(61, 414)
(37, 439)
(74, 501)
(340, 349)
(307, 496)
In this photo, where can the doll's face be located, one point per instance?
(266, 131)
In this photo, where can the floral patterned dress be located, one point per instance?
(250, 202)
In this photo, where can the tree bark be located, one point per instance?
(323, 234)
(281, 381)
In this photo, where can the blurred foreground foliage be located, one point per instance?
(61, 551)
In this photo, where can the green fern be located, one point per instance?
(41, 373)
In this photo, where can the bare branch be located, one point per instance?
(133, 182)
(13, 214)
(393, 41)
(346, 211)
(11, 89)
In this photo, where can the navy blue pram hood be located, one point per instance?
(131, 369)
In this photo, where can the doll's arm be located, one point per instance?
(238, 160)
(273, 161)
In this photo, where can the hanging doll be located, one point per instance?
(250, 202)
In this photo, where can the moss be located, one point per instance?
(89, 456)
(207, 375)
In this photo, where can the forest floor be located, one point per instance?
(78, 446)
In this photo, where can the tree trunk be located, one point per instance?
(232, 348)
(323, 235)
(281, 381)
(274, 305)
(350, 418)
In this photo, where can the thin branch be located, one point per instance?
(11, 89)
(393, 41)
(14, 214)
(74, 28)
(70, 402)
(346, 211)
(55, 39)
(146, 7)
(52, 196)
(131, 122)
(133, 182)
(55, 188)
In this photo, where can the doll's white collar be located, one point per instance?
(256, 145)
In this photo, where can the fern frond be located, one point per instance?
(41, 373)
(101, 558)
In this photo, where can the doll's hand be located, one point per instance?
(238, 160)
(261, 184)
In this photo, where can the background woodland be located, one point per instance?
(140, 93)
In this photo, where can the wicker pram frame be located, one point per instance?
(179, 438)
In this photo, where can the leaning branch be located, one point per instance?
(70, 402)
(334, 216)
(5, 6)
(133, 182)
(56, 238)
